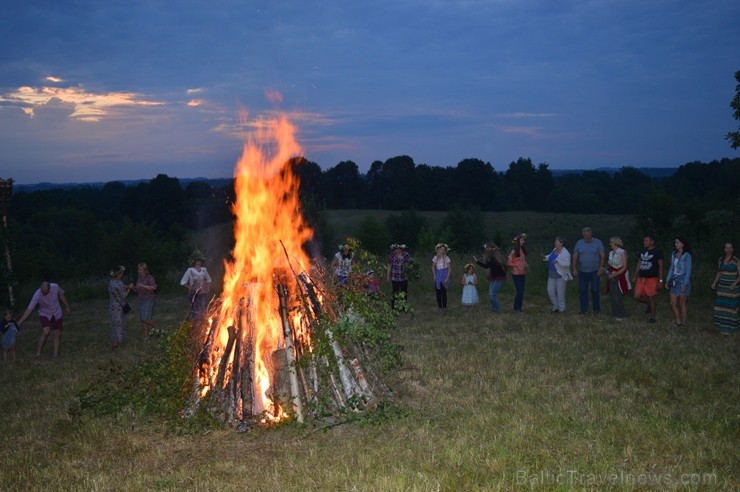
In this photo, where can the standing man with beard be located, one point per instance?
(648, 276)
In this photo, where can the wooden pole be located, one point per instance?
(6, 189)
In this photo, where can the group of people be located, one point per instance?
(492, 260)
(52, 304)
(589, 262)
(118, 307)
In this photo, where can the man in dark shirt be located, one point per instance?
(648, 276)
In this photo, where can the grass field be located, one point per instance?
(541, 228)
(484, 402)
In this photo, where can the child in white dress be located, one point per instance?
(470, 291)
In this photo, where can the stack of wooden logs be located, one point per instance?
(305, 384)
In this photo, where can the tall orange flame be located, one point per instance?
(268, 219)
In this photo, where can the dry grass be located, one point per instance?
(492, 402)
(488, 402)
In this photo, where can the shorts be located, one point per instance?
(53, 323)
(646, 286)
(146, 310)
(681, 289)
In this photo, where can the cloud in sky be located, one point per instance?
(128, 90)
(85, 105)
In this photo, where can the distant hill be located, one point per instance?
(653, 172)
(216, 183)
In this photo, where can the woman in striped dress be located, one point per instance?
(726, 286)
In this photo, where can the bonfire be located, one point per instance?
(268, 351)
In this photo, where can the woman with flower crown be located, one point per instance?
(518, 263)
(441, 273)
(398, 262)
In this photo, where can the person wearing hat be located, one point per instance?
(198, 284)
(396, 273)
(441, 274)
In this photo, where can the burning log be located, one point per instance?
(290, 354)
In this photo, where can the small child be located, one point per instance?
(470, 291)
(9, 330)
(372, 282)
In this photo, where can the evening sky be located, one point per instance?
(108, 90)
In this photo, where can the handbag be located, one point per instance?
(126, 307)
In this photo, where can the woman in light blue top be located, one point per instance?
(558, 275)
(678, 281)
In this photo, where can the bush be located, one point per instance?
(405, 228)
(465, 229)
(374, 236)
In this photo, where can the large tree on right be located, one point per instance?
(734, 137)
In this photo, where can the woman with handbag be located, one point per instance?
(117, 306)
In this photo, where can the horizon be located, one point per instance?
(203, 178)
(96, 91)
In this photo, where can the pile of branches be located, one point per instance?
(331, 364)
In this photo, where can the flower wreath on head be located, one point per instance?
(196, 256)
(114, 272)
(441, 245)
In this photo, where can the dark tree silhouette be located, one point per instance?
(343, 187)
(734, 137)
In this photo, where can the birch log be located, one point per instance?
(295, 393)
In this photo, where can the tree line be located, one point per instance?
(400, 184)
(83, 231)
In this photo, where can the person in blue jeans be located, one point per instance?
(496, 264)
(588, 266)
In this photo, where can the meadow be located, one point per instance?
(483, 402)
